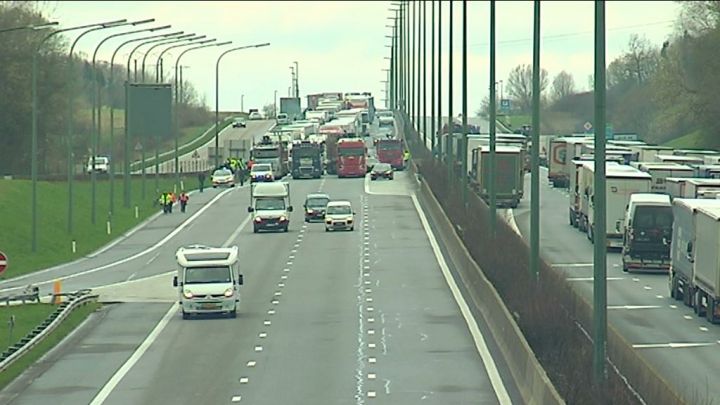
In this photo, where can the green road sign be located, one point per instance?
(149, 110)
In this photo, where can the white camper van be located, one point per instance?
(208, 280)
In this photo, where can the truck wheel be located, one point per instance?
(185, 315)
(285, 229)
(625, 267)
(233, 314)
(697, 305)
(255, 229)
(590, 233)
(572, 220)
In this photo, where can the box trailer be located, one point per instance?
(661, 171)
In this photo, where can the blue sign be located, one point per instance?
(505, 104)
(609, 132)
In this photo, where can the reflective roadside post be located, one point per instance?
(128, 166)
(70, 113)
(599, 233)
(535, 156)
(175, 112)
(217, 92)
(126, 152)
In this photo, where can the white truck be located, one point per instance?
(701, 188)
(647, 233)
(621, 182)
(661, 171)
(647, 153)
(680, 159)
(270, 206)
(208, 280)
(705, 285)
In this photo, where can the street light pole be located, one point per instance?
(598, 229)
(187, 39)
(97, 124)
(217, 92)
(432, 78)
(30, 27)
(438, 141)
(463, 171)
(71, 101)
(275, 103)
(126, 195)
(201, 45)
(33, 141)
(242, 103)
(451, 122)
(297, 80)
(535, 152)
(493, 126)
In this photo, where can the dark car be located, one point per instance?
(315, 206)
(381, 170)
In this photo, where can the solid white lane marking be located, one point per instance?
(571, 265)
(480, 344)
(633, 306)
(130, 362)
(251, 363)
(158, 244)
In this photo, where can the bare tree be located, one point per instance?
(519, 85)
(269, 110)
(563, 86)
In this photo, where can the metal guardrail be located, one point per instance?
(35, 336)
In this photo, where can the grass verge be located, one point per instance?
(27, 317)
(688, 141)
(53, 239)
(50, 341)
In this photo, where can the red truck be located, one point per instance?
(390, 151)
(351, 157)
(332, 133)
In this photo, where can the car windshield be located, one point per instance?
(207, 275)
(261, 168)
(339, 210)
(317, 202)
(222, 172)
(382, 167)
(269, 204)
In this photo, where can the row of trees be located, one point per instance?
(56, 88)
(659, 91)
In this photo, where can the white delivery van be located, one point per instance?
(102, 164)
(647, 233)
(208, 280)
(270, 206)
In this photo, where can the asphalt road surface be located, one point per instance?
(684, 348)
(357, 317)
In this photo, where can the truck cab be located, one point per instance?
(208, 280)
(647, 233)
(270, 206)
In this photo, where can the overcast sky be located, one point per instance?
(340, 46)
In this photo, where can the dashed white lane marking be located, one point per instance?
(593, 278)
(371, 394)
(258, 348)
(278, 293)
(286, 270)
(372, 360)
(673, 306)
(275, 302)
(281, 285)
(267, 323)
(251, 363)
(480, 344)
(370, 309)
(369, 299)
(671, 345)
(371, 376)
(633, 306)
(371, 345)
(659, 297)
(289, 263)
(703, 328)
(244, 380)
(371, 331)
(368, 290)
(271, 312)
(152, 259)
(262, 335)
(283, 277)
(647, 287)
(688, 317)
(236, 398)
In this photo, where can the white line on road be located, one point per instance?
(593, 278)
(118, 376)
(633, 306)
(152, 259)
(571, 265)
(480, 344)
(671, 345)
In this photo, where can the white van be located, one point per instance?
(208, 280)
(270, 206)
(102, 164)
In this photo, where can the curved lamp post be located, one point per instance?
(29, 27)
(33, 142)
(142, 69)
(158, 71)
(217, 91)
(97, 125)
(126, 200)
(175, 115)
(71, 174)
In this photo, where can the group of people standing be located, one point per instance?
(168, 198)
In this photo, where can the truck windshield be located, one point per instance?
(302, 152)
(207, 275)
(265, 153)
(269, 204)
(351, 151)
(647, 218)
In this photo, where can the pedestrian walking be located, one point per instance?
(183, 201)
(201, 180)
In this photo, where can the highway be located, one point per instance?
(326, 318)
(678, 344)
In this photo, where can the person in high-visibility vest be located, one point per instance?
(406, 156)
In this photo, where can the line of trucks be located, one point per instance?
(662, 210)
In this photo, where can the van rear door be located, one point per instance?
(651, 231)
